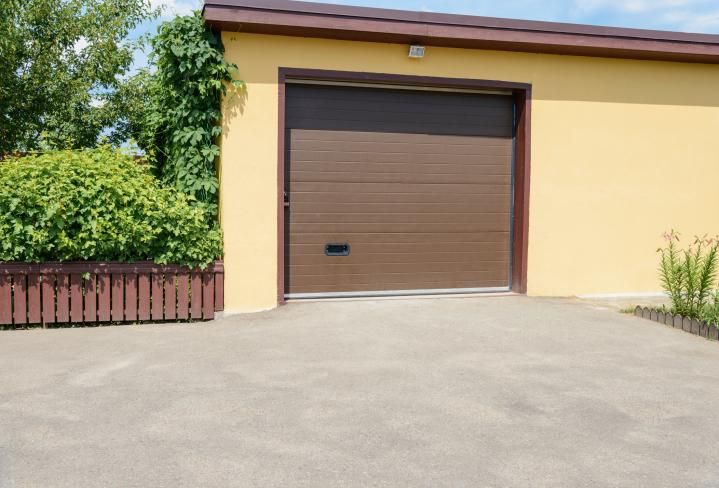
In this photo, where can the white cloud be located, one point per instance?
(639, 6)
(687, 15)
(702, 22)
(170, 8)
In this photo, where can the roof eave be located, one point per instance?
(286, 17)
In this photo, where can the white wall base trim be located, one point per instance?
(229, 313)
(618, 296)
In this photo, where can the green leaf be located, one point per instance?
(100, 205)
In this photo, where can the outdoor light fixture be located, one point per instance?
(416, 52)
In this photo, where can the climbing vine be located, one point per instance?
(181, 117)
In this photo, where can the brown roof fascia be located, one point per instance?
(306, 19)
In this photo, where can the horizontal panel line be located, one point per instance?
(367, 259)
(394, 115)
(386, 96)
(427, 204)
(400, 125)
(317, 249)
(459, 274)
(393, 183)
(503, 256)
(401, 183)
(350, 98)
(341, 265)
(400, 213)
(399, 97)
(403, 233)
(358, 137)
(423, 202)
(422, 153)
(349, 92)
(383, 252)
(468, 227)
(406, 111)
(338, 267)
(403, 143)
(504, 142)
(396, 174)
(414, 163)
(502, 243)
(397, 194)
(468, 205)
(492, 226)
(398, 183)
(432, 283)
(388, 204)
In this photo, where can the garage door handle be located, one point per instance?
(337, 249)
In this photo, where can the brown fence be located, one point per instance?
(62, 293)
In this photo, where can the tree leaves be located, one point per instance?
(62, 64)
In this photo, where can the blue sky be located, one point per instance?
(679, 15)
(683, 15)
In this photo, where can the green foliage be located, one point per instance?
(178, 120)
(62, 63)
(689, 275)
(134, 99)
(97, 205)
(710, 313)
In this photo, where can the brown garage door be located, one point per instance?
(395, 190)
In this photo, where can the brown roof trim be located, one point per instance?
(306, 19)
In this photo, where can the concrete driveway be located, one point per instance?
(475, 392)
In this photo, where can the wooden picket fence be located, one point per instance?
(84, 293)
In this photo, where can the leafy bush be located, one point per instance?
(689, 275)
(99, 205)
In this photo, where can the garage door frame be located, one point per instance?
(522, 93)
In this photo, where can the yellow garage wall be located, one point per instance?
(622, 150)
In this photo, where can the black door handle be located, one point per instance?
(337, 249)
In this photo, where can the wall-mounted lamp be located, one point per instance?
(416, 52)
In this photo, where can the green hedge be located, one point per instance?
(98, 205)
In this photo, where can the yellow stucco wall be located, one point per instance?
(621, 151)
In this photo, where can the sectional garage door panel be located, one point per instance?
(419, 211)
(400, 111)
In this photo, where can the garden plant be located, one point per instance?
(689, 277)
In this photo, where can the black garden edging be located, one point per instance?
(693, 326)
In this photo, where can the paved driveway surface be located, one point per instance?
(482, 392)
